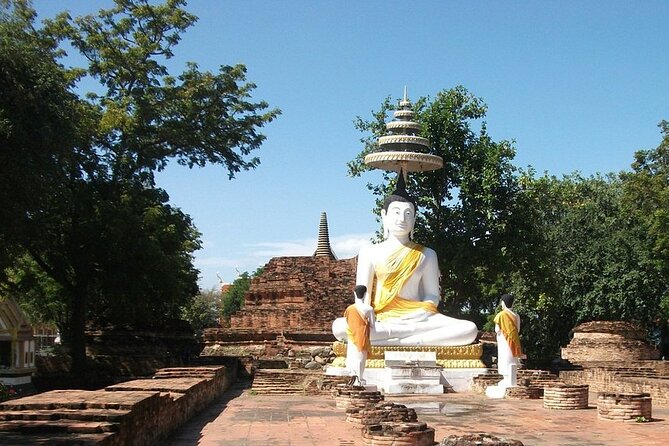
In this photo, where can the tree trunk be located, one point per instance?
(78, 332)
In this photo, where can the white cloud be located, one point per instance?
(207, 243)
(258, 254)
(344, 247)
(347, 246)
(216, 261)
(304, 247)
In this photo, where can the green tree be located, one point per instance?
(466, 209)
(39, 123)
(233, 298)
(35, 291)
(646, 195)
(545, 322)
(104, 233)
(203, 310)
(591, 260)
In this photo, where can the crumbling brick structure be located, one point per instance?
(298, 294)
(608, 341)
(288, 312)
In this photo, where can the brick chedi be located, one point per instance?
(606, 341)
(288, 311)
(298, 294)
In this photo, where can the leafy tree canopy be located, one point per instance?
(233, 298)
(203, 310)
(90, 217)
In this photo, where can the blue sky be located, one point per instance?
(579, 85)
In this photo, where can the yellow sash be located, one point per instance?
(507, 323)
(391, 277)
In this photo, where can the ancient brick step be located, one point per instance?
(280, 392)
(187, 372)
(172, 385)
(78, 399)
(48, 426)
(478, 439)
(291, 381)
(109, 415)
(262, 386)
(276, 386)
(269, 378)
(200, 368)
(57, 438)
(172, 375)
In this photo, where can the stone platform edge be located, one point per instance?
(150, 409)
(453, 379)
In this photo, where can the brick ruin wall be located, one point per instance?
(608, 341)
(614, 356)
(288, 312)
(116, 354)
(632, 377)
(587, 347)
(296, 294)
(135, 413)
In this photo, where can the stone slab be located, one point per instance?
(496, 391)
(408, 387)
(401, 358)
(459, 380)
(414, 373)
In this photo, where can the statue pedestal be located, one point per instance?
(459, 380)
(498, 391)
(509, 380)
(457, 366)
(412, 372)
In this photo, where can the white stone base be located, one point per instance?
(460, 380)
(497, 392)
(337, 371)
(412, 379)
(15, 380)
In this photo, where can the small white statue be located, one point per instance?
(507, 327)
(405, 277)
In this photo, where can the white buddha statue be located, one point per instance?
(405, 277)
(507, 328)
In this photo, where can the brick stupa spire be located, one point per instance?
(323, 248)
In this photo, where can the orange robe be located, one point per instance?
(507, 324)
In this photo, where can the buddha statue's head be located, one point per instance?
(399, 211)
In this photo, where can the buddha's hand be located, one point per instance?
(433, 299)
(365, 310)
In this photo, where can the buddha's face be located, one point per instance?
(399, 219)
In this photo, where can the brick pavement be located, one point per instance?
(241, 418)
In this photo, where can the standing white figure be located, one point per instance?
(405, 278)
(507, 327)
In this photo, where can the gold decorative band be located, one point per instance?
(458, 352)
(445, 363)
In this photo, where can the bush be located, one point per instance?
(6, 392)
